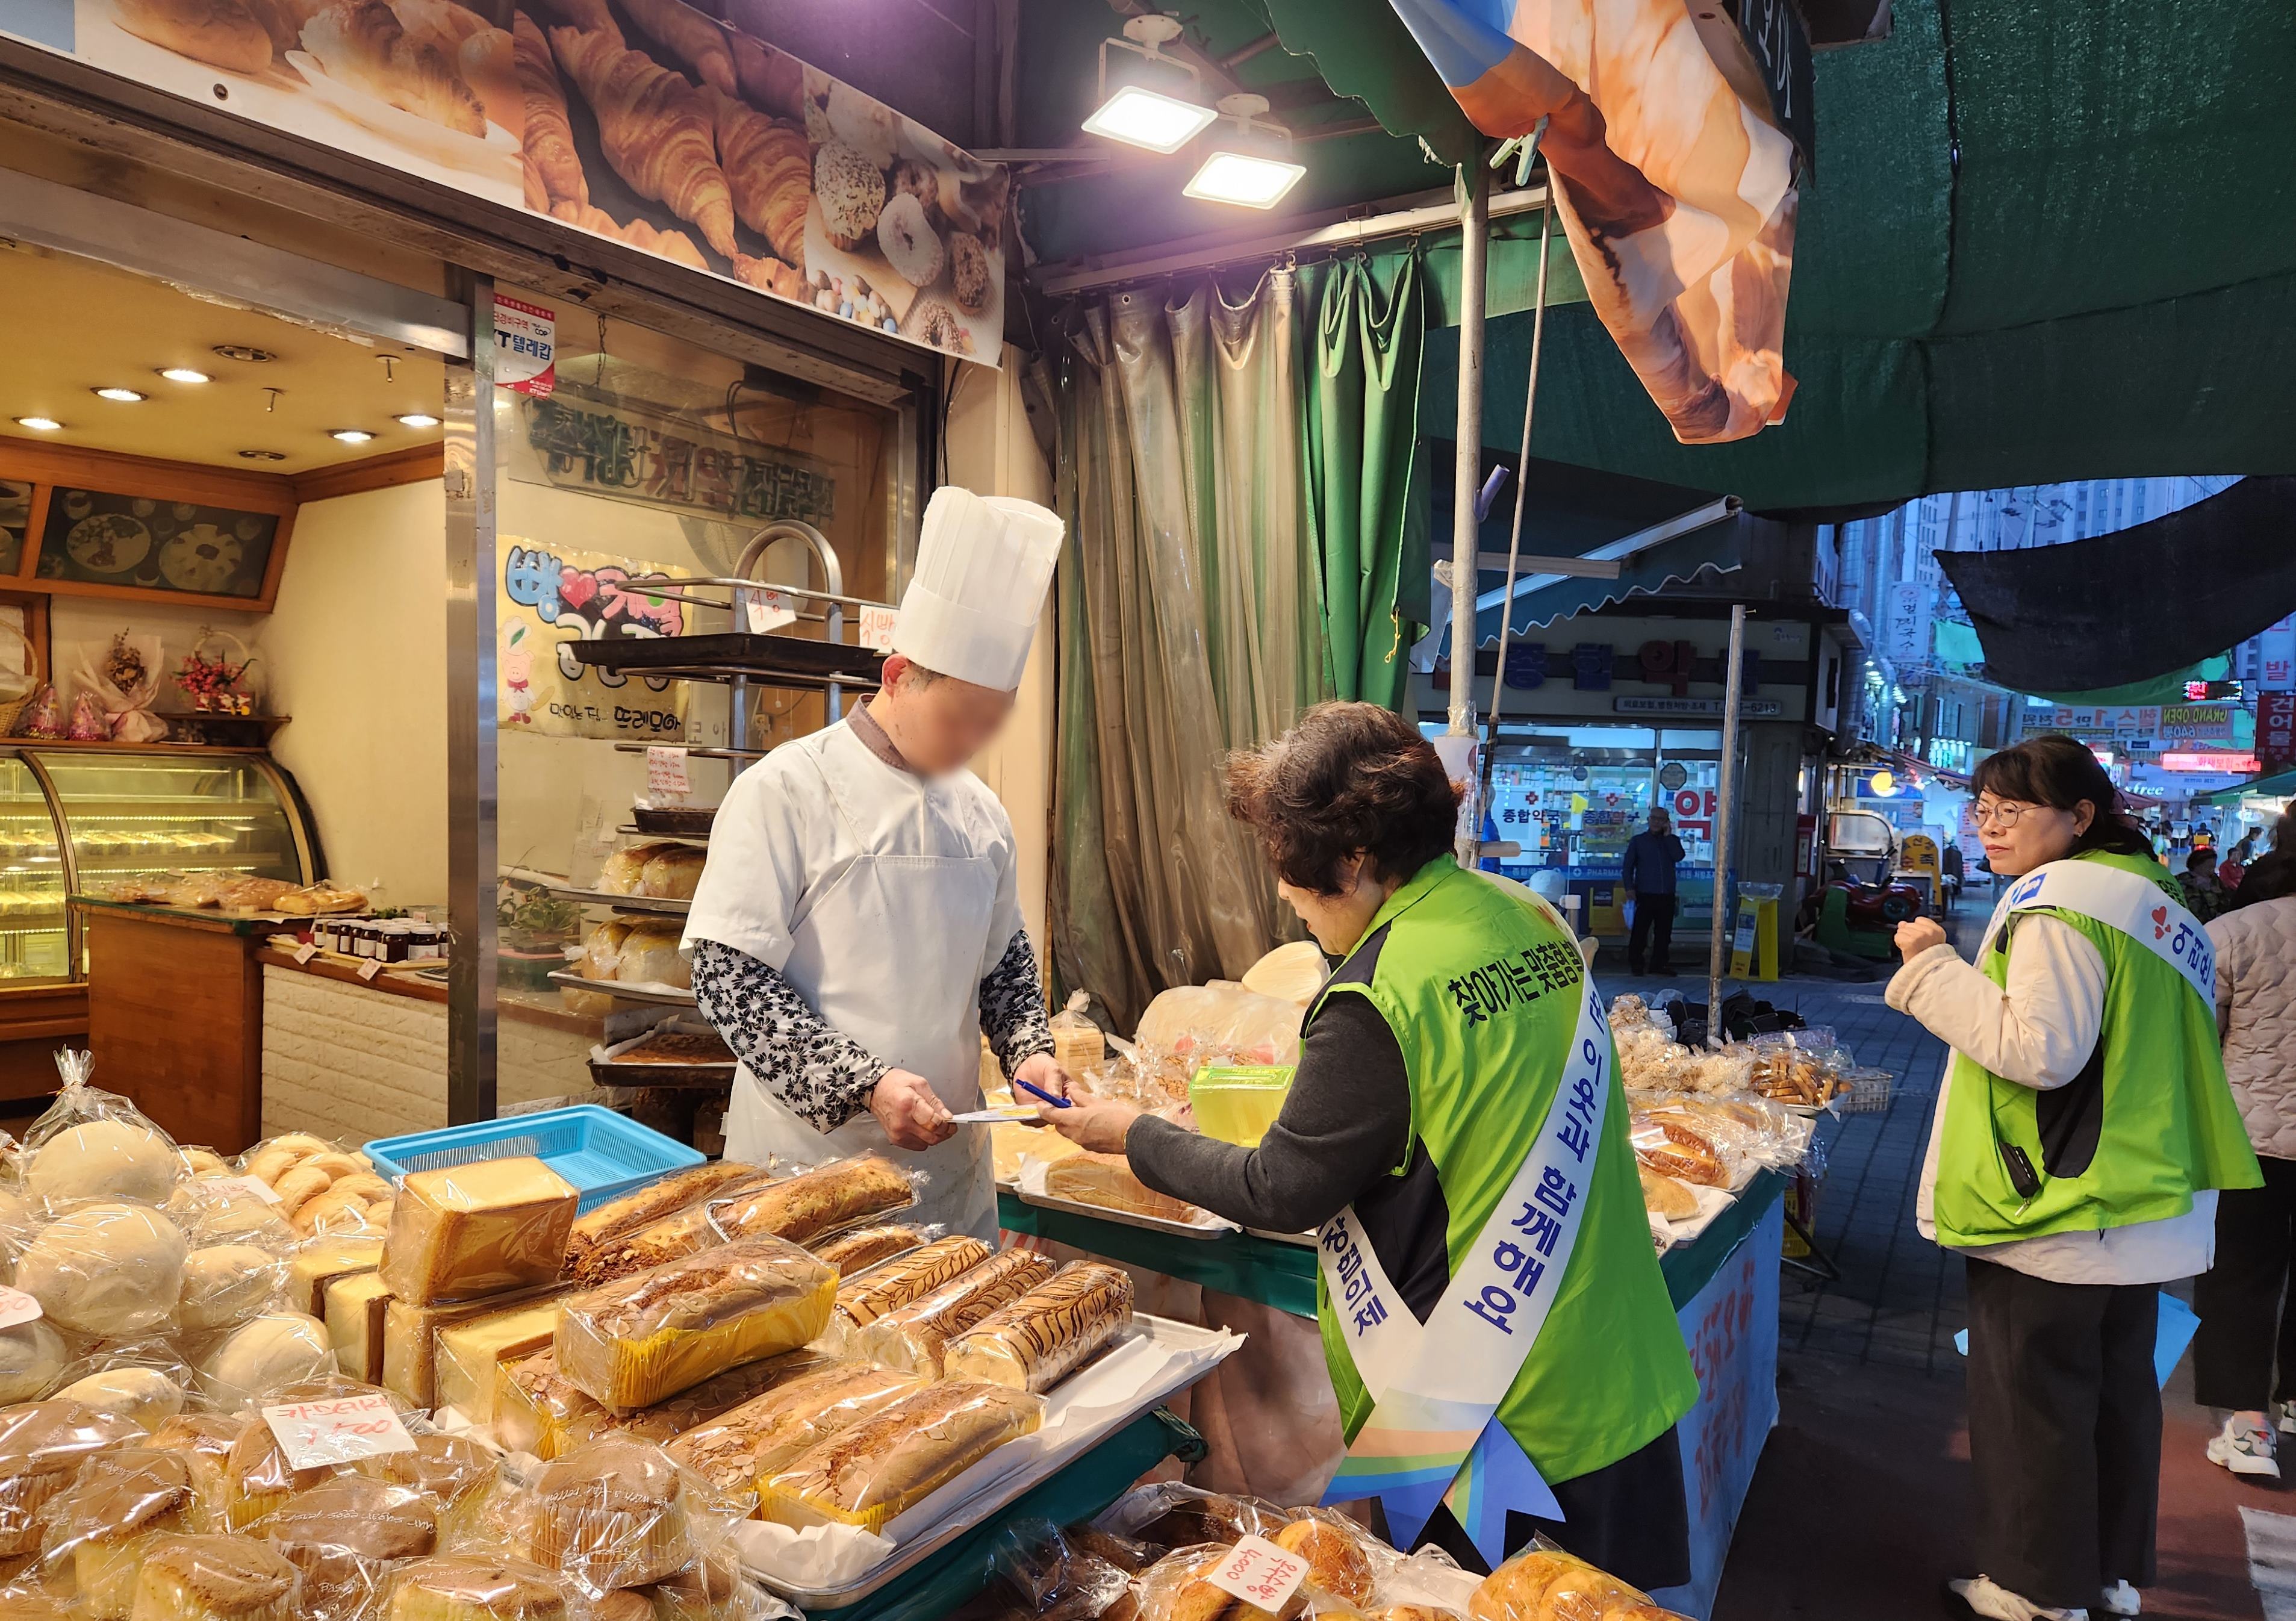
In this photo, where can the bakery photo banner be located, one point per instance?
(551, 598)
(650, 121)
(1674, 186)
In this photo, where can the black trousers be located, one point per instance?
(1651, 941)
(2064, 1433)
(1631, 1517)
(2243, 1316)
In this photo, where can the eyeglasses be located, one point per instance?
(2003, 815)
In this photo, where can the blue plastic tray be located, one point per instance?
(600, 1152)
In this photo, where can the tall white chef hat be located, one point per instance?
(983, 565)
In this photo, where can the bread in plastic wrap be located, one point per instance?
(108, 1270)
(479, 1587)
(149, 1396)
(1106, 1180)
(615, 1512)
(865, 1298)
(257, 1476)
(226, 1284)
(471, 1231)
(216, 1578)
(97, 1526)
(1034, 1342)
(467, 1356)
(262, 1353)
(450, 1472)
(357, 1318)
(410, 1337)
(753, 1442)
(867, 1247)
(642, 1339)
(540, 1411)
(342, 1536)
(870, 1472)
(1198, 1024)
(1336, 1550)
(1168, 1514)
(41, 1447)
(662, 1197)
(322, 1260)
(801, 1208)
(91, 1144)
(32, 1357)
(1542, 1582)
(916, 1337)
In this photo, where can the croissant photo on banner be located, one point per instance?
(1674, 181)
(649, 121)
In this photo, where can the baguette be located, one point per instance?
(1038, 1339)
(914, 1338)
(640, 1340)
(910, 1277)
(757, 1440)
(871, 1473)
(866, 1247)
(665, 1195)
(1106, 1180)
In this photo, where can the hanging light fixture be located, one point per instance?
(1250, 163)
(1155, 103)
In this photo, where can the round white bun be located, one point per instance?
(145, 1395)
(103, 1159)
(31, 1355)
(225, 1283)
(277, 1349)
(105, 1269)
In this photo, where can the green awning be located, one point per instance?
(2279, 785)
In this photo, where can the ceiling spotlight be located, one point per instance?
(124, 396)
(263, 455)
(417, 418)
(1250, 165)
(1155, 101)
(39, 424)
(349, 436)
(242, 353)
(183, 375)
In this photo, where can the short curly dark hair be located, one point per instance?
(1348, 777)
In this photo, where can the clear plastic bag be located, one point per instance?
(1040, 1573)
(92, 1145)
(45, 1442)
(895, 1459)
(95, 1526)
(1542, 1582)
(914, 1337)
(615, 1512)
(468, 1231)
(753, 1443)
(863, 1248)
(1174, 1589)
(1076, 1042)
(861, 1300)
(1198, 1024)
(1168, 1515)
(1038, 1341)
(1673, 1145)
(174, 1571)
(342, 1535)
(540, 1411)
(144, 1380)
(640, 1340)
(659, 1198)
(242, 1369)
(804, 1208)
(107, 1270)
(33, 1356)
(478, 1585)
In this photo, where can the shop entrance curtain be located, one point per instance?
(1188, 628)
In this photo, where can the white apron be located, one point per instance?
(891, 954)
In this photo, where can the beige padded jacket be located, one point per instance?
(2256, 1009)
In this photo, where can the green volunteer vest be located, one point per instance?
(2168, 1125)
(1609, 1372)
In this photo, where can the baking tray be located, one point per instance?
(991, 1499)
(1124, 1218)
(623, 903)
(687, 821)
(762, 658)
(1305, 1240)
(660, 995)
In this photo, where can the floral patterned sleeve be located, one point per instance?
(823, 1075)
(1013, 1006)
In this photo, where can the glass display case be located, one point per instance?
(71, 817)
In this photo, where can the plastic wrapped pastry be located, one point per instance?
(1544, 1584)
(866, 1247)
(613, 1512)
(755, 1441)
(476, 1230)
(41, 1447)
(801, 1208)
(32, 1357)
(468, 1587)
(151, 1396)
(216, 1578)
(916, 1337)
(638, 1341)
(1106, 1180)
(109, 1270)
(94, 1144)
(904, 1279)
(342, 1535)
(663, 1197)
(263, 1354)
(869, 1473)
(1038, 1339)
(540, 1411)
(99, 1524)
(414, 1337)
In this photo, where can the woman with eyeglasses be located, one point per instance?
(2082, 1129)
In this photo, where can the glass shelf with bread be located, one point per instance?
(35, 932)
(127, 815)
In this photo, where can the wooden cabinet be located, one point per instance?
(174, 1019)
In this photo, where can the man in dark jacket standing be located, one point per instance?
(1648, 876)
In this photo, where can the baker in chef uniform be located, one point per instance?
(857, 928)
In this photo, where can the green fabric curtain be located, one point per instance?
(1366, 499)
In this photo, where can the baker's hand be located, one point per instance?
(1044, 1072)
(910, 1112)
(1917, 935)
(1094, 1124)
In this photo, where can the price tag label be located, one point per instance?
(666, 771)
(305, 952)
(769, 610)
(1259, 1573)
(369, 969)
(314, 1435)
(17, 1308)
(877, 628)
(253, 1187)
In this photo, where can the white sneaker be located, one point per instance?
(2284, 1415)
(1988, 1598)
(2245, 1449)
(2121, 1599)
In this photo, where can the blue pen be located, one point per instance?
(1040, 1091)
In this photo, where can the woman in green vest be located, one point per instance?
(2082, 1130)
(1430, 1082)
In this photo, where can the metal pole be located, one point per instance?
(1521, 482)
(472, 855)
(1725, 794)
(1466, 480)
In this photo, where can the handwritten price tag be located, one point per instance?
(17, 1308)
(768, 611)
(1259, 1573)
(252, 1187)
(369, 969)
(666, 771)
(317, 1434)
(877, 629)
(305, 952)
